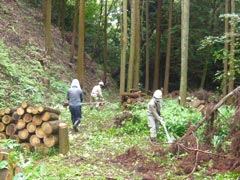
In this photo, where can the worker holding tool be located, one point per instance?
(96, 95)
(75, 98)
(154, 115)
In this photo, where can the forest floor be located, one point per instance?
(98, 152)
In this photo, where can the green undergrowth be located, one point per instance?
(23, 80)
(93, 150)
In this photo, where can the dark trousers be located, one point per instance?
(76, 114)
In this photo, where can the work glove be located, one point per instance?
(160, 119)
(65, 104)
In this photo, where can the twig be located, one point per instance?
(196, 159)
(199, 150)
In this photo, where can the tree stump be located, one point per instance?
(63, 138)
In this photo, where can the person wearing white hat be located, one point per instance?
(96, 94)
(154, 114)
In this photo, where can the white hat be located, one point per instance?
(157, 94)
(101, 83)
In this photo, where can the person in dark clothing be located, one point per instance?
(75, 98)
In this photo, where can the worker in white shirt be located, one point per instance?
(96, 95)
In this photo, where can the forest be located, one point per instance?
(189, 50)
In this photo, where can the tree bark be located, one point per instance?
(42, 109)
(132, 46)
(48, 36)
(147, 48)
(124, 48)
(136, 66)
(157, 48)
(63, 138)
(81, 29)
(48, 116)
(169, 43)
(74, 34)
(105, 43)
(184, 51)
(226, 49)
(232, 49)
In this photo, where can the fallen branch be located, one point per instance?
(223, 100)
(196, 159)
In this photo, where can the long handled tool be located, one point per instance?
(101, 103)
(170, 139)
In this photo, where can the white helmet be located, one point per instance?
(101, 83)
(157, 94)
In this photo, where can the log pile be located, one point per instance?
(131, 97)
(34, 127)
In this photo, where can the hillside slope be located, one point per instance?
(22, 39)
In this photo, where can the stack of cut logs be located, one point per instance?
(34, 127)
(131, 97)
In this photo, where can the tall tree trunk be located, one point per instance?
(147, 47)
(168, 57)
(124, 47)
(48, 37)
(157, 48)
(226, 49)
(44, 12)
(132, 46)
(232, 48)
(137, 46)
(184, 50)
(105, 43)
(62, 16)
(74, 34)
(98, 30)
(205, 69)
(80, 66)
